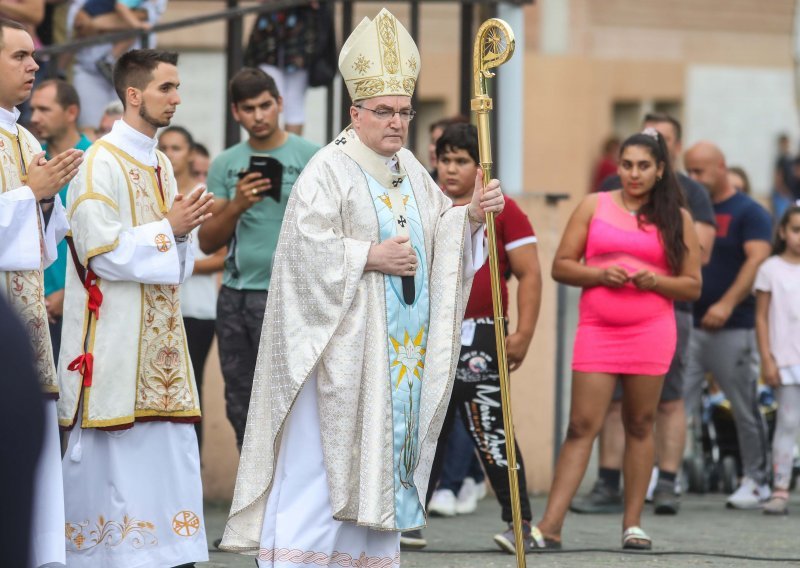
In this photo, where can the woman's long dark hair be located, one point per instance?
(663, 209)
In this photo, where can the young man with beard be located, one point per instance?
(54, 116)
(132, 467)
(32, 222)
(248, 223)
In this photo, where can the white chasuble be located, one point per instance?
(133, 493)
(380, 400)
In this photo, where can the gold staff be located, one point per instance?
(494, 45)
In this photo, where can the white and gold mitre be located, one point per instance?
(379, 58)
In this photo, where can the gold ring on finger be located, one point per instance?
(254, 191)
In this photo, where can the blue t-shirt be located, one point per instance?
(56, 273)
(739, 219)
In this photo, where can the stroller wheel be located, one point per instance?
(729, 474)
(695, 474)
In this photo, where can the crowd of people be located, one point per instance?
(337, 280)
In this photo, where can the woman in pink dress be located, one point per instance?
(640, 253)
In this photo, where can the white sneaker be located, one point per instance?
(443, 503)
(750, 495)
(467, 500)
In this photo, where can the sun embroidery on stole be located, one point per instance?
(407, 335)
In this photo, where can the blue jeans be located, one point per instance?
(460, 459)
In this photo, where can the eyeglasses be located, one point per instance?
(406, 115)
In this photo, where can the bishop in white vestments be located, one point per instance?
(361, 333)
(29, 240)
(132, 467)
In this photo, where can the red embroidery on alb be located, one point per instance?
(296, 556)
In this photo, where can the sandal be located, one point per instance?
(778, 504)
(541, 542)
(634, 538)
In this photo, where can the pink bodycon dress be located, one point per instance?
(623, 330)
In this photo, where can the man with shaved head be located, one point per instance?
(723, 341)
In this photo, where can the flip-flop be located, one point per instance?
(541, 542)
(634, 538)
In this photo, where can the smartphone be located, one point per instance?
(271, 169)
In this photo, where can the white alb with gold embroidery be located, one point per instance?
(133, 497)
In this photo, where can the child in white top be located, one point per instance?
(777, 289)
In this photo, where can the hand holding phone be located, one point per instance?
(268, 168)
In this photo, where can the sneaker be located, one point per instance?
(750, 495)
(507, 542)
(666, 499)
(601, 499)
(412, 540)
(443, 503)
(467, 499)
(777, 505)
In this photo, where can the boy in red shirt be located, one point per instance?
(476, 391)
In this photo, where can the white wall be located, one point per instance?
(742, 110)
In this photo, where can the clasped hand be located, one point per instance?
(189, 211)
(393, 256)
(47, 177)
(616, 277)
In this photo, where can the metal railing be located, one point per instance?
(233, 15)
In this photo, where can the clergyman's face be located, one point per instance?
(383, 136)
(160, 97)
(17, 67)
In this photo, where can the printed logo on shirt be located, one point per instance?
(723, 224)
(163, 243)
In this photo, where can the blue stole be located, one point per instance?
(407, 336)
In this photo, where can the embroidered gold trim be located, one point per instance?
(368, 87)
(113, 151)
(100, 250)
(91, 196)
(388, 36)
(110, 533)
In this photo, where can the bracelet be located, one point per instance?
(473, 219)
(182, 238)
